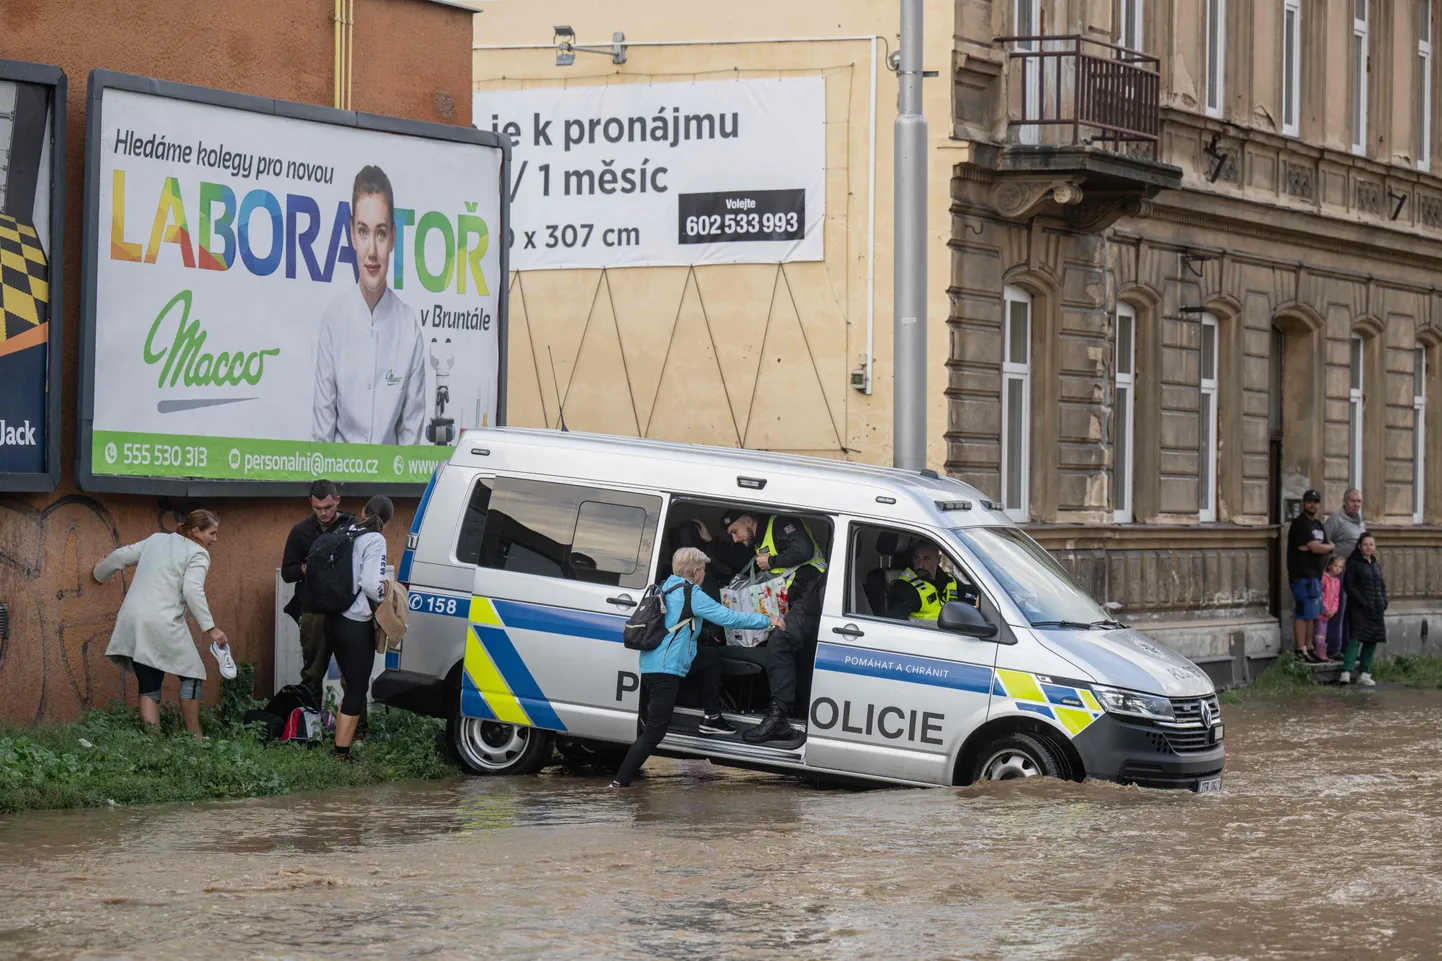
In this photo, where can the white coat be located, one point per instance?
(170, 574)
(370, 372)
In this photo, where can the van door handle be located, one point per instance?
(849, 630)
(622, 600)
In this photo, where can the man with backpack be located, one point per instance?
(325, 516)
(667, 643)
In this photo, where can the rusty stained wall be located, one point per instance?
(412, 59)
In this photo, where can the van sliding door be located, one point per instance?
(561, 566)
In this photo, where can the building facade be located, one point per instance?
(1182, 268)
(1195, 250)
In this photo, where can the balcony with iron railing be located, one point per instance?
(1078, 92)
(1083, 132)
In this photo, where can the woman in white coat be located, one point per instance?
(351, 634)
(151, 637)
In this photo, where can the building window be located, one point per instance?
(1027, 16)
(1291, 67)
(1419, 433)
(1360, 70)
(1354, 418)
(1207, 419)
(1123, 413)
(1016, 404)
(1424, 84)
(1216, 40)
(1131, 34)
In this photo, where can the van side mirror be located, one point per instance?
(958, 617)
(582, 562)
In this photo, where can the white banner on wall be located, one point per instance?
(627, 175)
(281, 299)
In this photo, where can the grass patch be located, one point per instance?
(110, 757)
(1287, 676)
(1410, 670)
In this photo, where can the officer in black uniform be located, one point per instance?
(784, 547)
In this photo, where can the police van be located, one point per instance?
(530, 548)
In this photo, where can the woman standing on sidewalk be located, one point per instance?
(1367, 605)
(350, 635)
(151, 637)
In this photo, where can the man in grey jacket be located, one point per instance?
(1345, 527)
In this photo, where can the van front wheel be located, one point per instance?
(491, 747)
(1016, 755)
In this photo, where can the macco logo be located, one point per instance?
(184, 356)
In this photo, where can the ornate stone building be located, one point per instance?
(1195, 271)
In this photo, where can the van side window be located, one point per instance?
(880, 560)
(570, 532)
(473, 523)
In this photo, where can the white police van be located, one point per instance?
(530, 548)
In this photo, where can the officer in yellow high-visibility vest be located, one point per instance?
(784, 547)
(920, 592)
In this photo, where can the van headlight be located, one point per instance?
(1117, 701)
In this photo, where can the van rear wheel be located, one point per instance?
(1016, 755)
(491, 747)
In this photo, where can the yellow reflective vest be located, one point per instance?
(768, 546)
(931, 599)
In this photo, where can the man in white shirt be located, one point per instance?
(370, 381)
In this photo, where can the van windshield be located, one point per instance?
(1041, 587)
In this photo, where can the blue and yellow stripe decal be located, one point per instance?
(1074, 708)
(496, 684)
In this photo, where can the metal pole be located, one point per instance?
(909, 267)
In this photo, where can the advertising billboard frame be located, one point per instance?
(100, 81)
(46, 75)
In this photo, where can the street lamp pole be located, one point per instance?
(909, 267)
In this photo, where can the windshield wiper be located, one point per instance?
(1072, 625)
(1109, 624)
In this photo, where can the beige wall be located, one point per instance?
(744, 355)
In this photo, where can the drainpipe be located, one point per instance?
(909, 267)
(344, 18)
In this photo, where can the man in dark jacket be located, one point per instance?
(1367, 609)
(325, 516)
(784, 547)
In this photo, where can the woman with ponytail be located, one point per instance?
(350, 634)
(151, 637)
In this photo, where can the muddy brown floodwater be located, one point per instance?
(1323, 844)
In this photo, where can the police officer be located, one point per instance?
(919, 594)
(784, 547)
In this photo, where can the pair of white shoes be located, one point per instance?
(223, 658)
(1363, 680)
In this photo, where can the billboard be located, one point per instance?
(276, 292)
(32, 184)
(631, 174)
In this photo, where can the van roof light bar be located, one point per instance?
(953, 505)
(751, 483)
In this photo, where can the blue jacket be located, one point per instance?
(678, 650)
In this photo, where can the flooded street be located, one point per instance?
(1323, 844)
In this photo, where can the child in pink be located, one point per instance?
(1331, 601)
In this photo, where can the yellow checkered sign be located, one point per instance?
(24, 279)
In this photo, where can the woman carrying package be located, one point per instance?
(151, 637)
(663, 668)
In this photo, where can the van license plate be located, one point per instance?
(1208, 785)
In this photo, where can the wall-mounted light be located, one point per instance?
(566, 48)
(1190, 260)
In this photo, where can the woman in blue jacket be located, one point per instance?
(663, 668)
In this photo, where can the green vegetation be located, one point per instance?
(1289, 676)
(108, 757)
(1411, 670)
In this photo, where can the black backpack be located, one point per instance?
(645, 629)
(329, 580)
